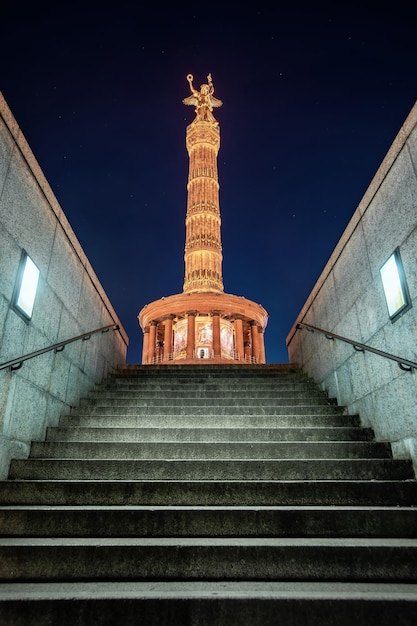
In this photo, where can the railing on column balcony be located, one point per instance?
(160, 358)
(15, 364)
(404, 364)
(156, 359)
(183, 355)
(245, 358)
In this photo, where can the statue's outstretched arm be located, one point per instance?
(210, 84)
(190, 78)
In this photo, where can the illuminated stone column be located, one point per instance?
(145, 345)
(239, 347)
(226, 317)
(152, 341)
(191, 333)
(261, 345)
(203, 249)
(168, 337)
(255, 341)
(217, 350)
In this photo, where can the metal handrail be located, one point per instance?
(404, 364)
(17, 363)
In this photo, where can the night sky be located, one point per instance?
(313, 97)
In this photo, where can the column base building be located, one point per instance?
(189, 327)
(203, 323)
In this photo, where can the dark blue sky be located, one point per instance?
(313, 98)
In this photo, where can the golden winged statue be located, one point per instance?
(203, 100)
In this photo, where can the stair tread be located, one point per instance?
(223, 589)
(197, 433)
(217, 469)
(256, 459)
(208, 521)
(199, 450)
(203, 492)
(212, 542)
(210, 507)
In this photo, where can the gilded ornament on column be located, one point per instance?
(203, 100)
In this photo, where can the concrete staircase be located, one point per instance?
(208, 495)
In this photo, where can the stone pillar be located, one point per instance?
(239, 347)
(262, 358)
(145, 345)
(255, 341)
(217, 349)
(168, 337)
(152, 341)
(191, 333)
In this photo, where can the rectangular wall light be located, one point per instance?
(27, 286)
(395, 286)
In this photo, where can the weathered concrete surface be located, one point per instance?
(348, 300)
(70, 300)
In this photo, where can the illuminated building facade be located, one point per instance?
(203, 322)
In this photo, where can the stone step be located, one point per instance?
(210, 382)
(205, 493)
(285, 369)
(208, 521)
(307, 559)
(338, 433)
(190, 396)
(206, 420)
(210, 450)
(173, 405)
(207, 603)
(158, 408)
(232, 368)
(220, 387)
(287, 382)
(207, 375)
(202, 377)
(312, 469)
(206, 370)
(177, 402)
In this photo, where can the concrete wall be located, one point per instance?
(69, 302)
(348, 300)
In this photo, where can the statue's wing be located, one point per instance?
(215, 102)
(192, 100)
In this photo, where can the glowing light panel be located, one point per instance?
(28, 286)
(394, 285)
